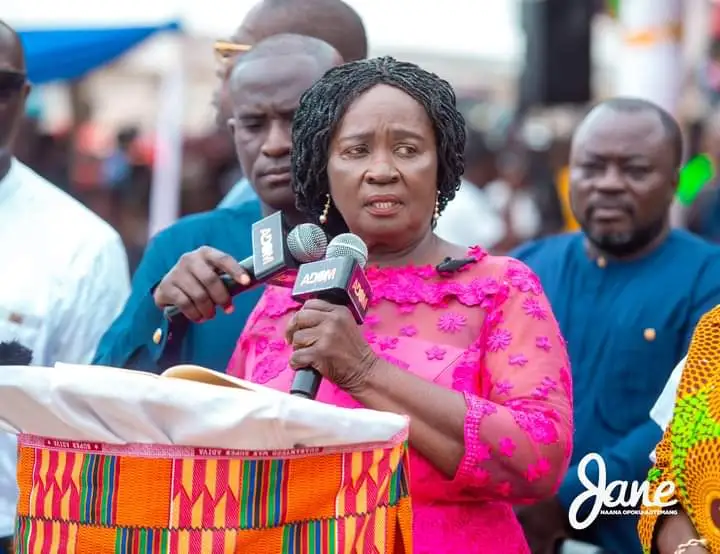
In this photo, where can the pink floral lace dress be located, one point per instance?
(486, 331)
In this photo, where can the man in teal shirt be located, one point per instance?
(241, 193)
(263, 81)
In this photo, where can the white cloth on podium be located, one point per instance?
(187, 406)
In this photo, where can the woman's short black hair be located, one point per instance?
(324, 104)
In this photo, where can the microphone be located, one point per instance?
(338, 279)
(276, 256)
(14, 353)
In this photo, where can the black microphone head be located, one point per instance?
(347, 244)
(307, 243)
(14, 353)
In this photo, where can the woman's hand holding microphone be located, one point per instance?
(327, 338)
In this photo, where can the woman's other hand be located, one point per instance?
(673, 531)
(327, 338)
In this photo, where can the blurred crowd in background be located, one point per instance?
(95, 136)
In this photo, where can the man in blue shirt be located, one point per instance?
(240, 193)
(627, 292)
(265, 86)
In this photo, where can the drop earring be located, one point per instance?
(436, 213)
(324, 215)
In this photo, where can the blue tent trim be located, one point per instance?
(65, 54)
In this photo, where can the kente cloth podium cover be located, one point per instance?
(115, 461)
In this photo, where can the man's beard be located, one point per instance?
(621, 245)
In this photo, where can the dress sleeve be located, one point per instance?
(518, 430)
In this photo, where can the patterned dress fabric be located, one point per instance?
(689, 453)
(487, 332)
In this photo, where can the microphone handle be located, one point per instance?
(306, 383)
(307, 379)
(173, 313)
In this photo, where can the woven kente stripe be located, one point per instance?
(98, 483)
(89, 502)
(367, 480)
(378, 532)
(264, 493)
(77, 487)
(398, 485)
(36, 536)
(249, 494)
(145, 541)
(314, 537)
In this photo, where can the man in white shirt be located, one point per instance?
(662, 411)
(470, 219)
(64, 274)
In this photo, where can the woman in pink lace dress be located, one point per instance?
(474, 357)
